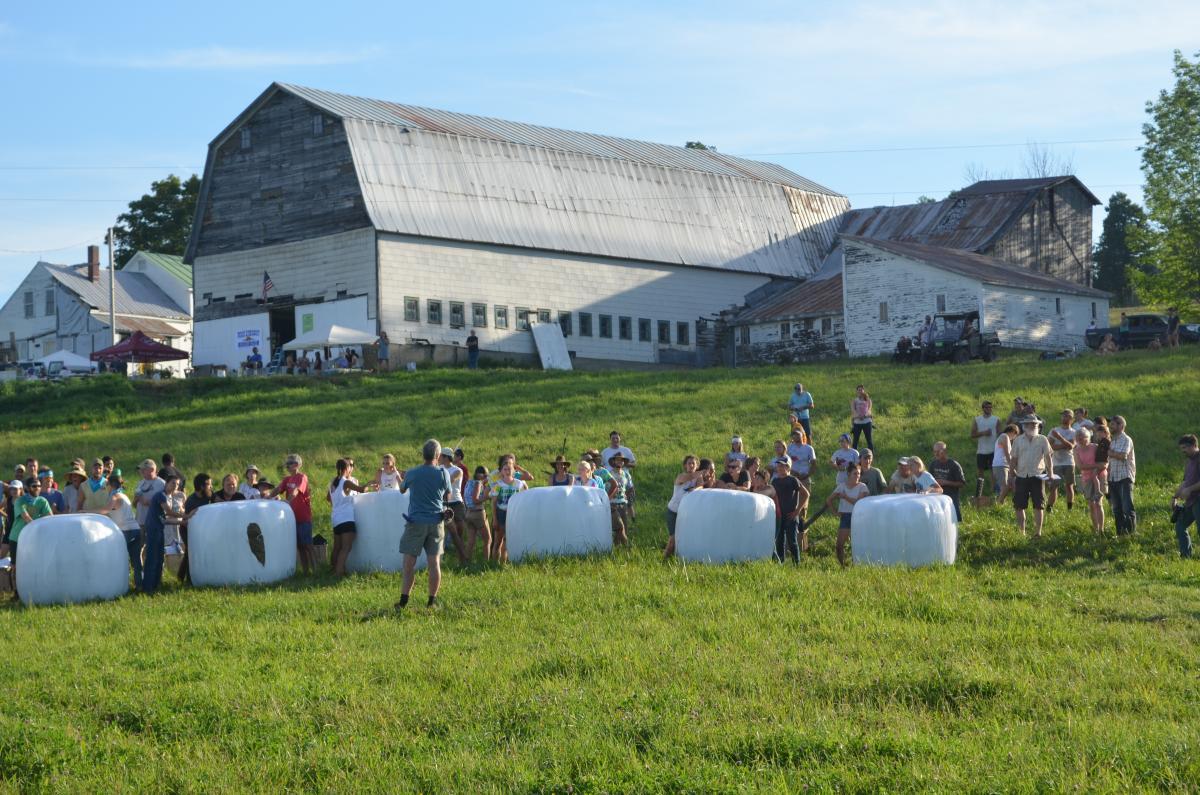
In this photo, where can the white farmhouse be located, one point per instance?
(66, 307)
(425, 224)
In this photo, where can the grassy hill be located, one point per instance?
(1065, 663)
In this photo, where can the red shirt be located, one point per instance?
(302, 502)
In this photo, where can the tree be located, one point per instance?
(1114, 256)
(923, 199)
(699, 145)
(159, 221)
(1170, 242)
(1043, 161)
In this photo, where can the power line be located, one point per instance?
(46, 250)
(939, 148)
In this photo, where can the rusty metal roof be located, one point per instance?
(807, 299)
(988, 270)
(156, 329)
(455, 176)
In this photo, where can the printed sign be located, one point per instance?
(306, 322)
(250, 338)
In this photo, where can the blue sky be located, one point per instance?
(100, 100)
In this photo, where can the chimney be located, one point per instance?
(93, 263)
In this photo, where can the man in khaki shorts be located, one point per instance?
(427, 486)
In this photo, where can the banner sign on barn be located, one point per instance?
(250, 338)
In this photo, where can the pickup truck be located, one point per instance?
(1142, 329)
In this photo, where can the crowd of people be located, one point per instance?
(455, 506)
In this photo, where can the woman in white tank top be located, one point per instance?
(1001, 472)
(341, 496)
(689, 479)
(120, 510)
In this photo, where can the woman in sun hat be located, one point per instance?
(561, 476)
(249, 487)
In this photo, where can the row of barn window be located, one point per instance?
(30, 302)
(571, 322)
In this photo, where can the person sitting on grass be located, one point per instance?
(503, 488)
(475, 496)
(685, 482)
(847, 493)
(427, 487)
(1108, 346)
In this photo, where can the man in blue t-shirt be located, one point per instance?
(799, 405)
(427, 487)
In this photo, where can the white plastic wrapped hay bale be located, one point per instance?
(558, 520)
(904, 529)
(721, 525)
(379, 518)
(242, 543)
(72, 558)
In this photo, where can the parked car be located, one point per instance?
(1142, 329)
(958, 338)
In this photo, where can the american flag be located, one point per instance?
(268, 285)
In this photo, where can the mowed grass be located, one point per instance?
(1066, 663)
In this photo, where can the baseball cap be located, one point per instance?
(783, 459)
(16, 484)
(904, 461)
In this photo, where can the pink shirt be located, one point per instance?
(1085, 456)
(860, 410)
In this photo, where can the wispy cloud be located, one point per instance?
(219, 57)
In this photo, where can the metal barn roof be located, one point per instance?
(808, 299)
(135, 293)
(170, 263)
(971, 219)
(988, 270)
(433, 173)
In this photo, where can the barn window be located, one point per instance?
(585, 324)
(941, 302)
(682, 333)
(479, 315)
(606, 326)
(883, 312)
(826, 325)
(240, 296)
(1093, 310)
(50, 302)
(458, 314)
(412, 309)
(664, 332)
(433, 312)
(744, 335)
(625, 328)
(785, 331)
(501, 313)
(643, 329)
(318, 124)
(206, 298)
(543, 315)
(523, 318)
(29, 303)
(1058, 306)
(245, 139)
(564, 322)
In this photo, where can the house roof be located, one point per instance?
(807, 299)
(970, 219)
(135, 293)
(170, 263)
(455, 176)
(988, 270)
(151, 327)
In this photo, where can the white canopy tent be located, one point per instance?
(334, 336)
(69, 361)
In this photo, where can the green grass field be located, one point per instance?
(1065, 663)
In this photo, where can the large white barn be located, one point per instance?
(424, 224)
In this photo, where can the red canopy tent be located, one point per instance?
(139, 349)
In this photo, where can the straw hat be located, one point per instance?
(558, 459)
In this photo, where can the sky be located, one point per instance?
(880, 101)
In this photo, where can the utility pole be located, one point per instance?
(112, 289)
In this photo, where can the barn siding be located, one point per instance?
(910, 289)
(289, 185)
(1028, 318)
(1054, 241)
(25, 331)
(514, 277)
(308, 270)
